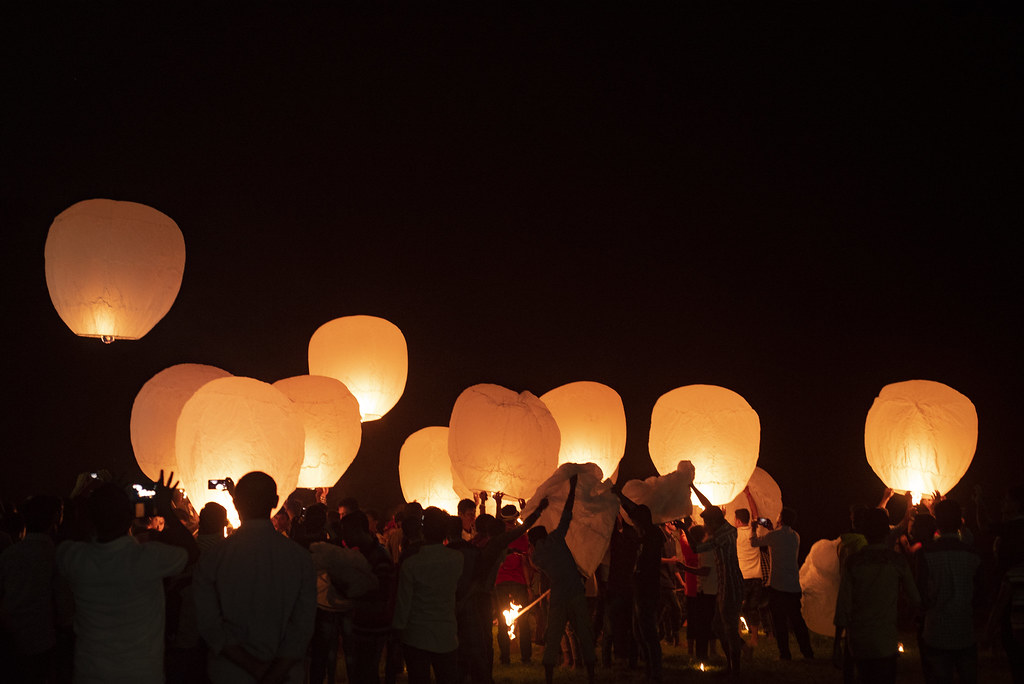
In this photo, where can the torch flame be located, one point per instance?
(743, 624)
(510, 618)
(900, 647)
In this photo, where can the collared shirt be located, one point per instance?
(868, 594)
(784, 544)
(257, 590)
(749, 556)
(947, 571)
(119, 606)
(425, 605)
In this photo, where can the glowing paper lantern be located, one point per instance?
(767, 495)
(232, 426)
(667, 496)
(501, 440)
(155, 412)
(113, 268)
(920, 436)
(819, 581)
(330, 418)
(592, 423)
(368, 355)
(593, 513)
(425, 470)
(712, 427)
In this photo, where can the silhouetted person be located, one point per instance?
(371, 612)
(118, 588)
(623, 550)
(256, 595)
(425, 605)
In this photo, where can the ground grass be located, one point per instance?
(764, 668)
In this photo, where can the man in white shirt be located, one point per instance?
(750, 565)
(256, 595)
(784, 585)
(118, 588)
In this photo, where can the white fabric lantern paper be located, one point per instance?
(330, 418)
(767, 495)
(712, 427)
(667, 496)
(232, 426)
(368, 354)
(593, 513)
(501, 440)
(155, 411)
(920, 436)
(592, 423)
(113, 269)
(819, 581)
(425, 470)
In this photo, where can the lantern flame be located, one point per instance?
(900, 647)
(702, 668)
(743, 624)
(510, 618)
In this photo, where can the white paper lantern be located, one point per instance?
(368, 354)
(593, 512)
(712, 427)
(592, 423)
(330, 418)
(113, 268)
(767, 495)
(501, 440)
(667, 496)
(155, 412)
(425, 470)
(920, 436)
(819, 582)
(233, 426)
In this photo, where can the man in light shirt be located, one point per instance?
(784, 584)
(749, 558)
(256, 595)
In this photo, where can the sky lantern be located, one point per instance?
(232, 426)
(501, 440)
(331, 421)
(667, 496)
(712, 427)
(592, 423)
(425, 470)
(767, 496)
(155, 412)
(819, 582)
(920, 436)
(113, 268)
(368, 354)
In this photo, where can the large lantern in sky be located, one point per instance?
(368, 354)
(232, 426)
(767, 497)
(113, 268)
(712, 427)
(501, 440)
(425, 470)
(592, 424)
(920, 436)
(330, 418)
(155, 412)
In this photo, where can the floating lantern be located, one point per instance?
(330, 418)
(155, 412)
(712, 427)
(425, 470)
(592, 424)
(667, 496)
(819, 582)
(920, 436)
(501, 440)
(767, 495)
(113, 268)
(232, 426)
(368, 355)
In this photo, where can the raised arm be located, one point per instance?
(570, 501)
(704, 501)
(628, 504)
(751, 505)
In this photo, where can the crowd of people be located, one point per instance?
(106, 586)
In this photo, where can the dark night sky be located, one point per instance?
(798, 201)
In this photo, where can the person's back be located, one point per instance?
(117, 585)
(255, 594)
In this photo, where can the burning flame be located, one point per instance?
(702, 669)
(510, 618)
(743, 624)
(900, 647)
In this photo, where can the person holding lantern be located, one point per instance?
(730, 579)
